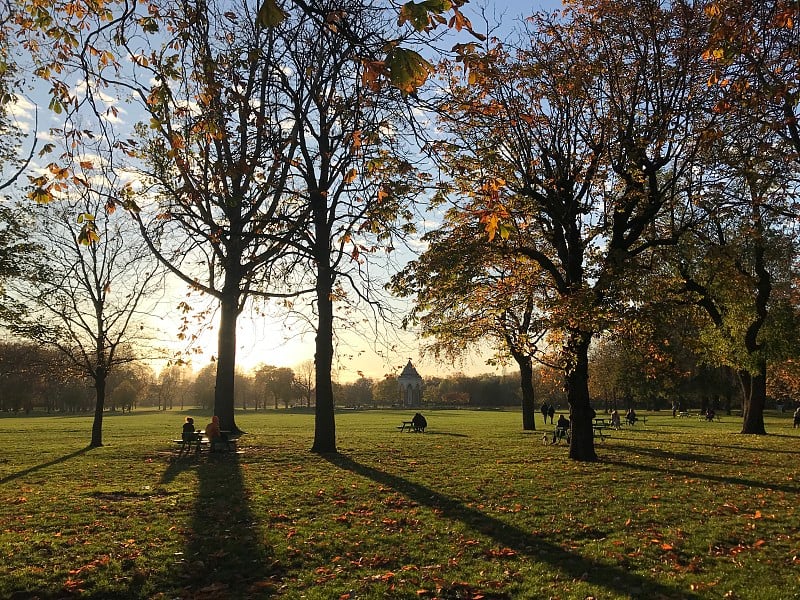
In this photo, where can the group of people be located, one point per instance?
(212, 431)
(548, 410)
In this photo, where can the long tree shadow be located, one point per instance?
(49, 463)
(600, 575)
(776, 487)
(739, 447)
(225, 554)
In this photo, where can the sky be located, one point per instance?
(266, 340)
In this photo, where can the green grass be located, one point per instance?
(475, 508)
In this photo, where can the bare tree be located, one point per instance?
(88, 301)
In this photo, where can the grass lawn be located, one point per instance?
(474, 508)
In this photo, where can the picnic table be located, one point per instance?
(226, 441)
(600, 430)
(410, 427)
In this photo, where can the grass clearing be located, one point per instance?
(474, 508)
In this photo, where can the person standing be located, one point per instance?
(551, 412)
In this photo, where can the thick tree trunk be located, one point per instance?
(226, 361)
(528, 398)
(100, 400)
(581, 415)
(755, 400)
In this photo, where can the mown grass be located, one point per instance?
(474, 508)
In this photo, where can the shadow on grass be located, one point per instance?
(225, 555)
(690, 474)
(50, 463)
(446, 433)
(600, 575)
(739, 447)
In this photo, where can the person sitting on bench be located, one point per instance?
(419, 423)
(188, 433)
(214, 435)
(631, 417)
(562, 429)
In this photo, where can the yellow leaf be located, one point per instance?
(351, 176)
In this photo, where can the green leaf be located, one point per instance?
(407, 69)
(419, 15)
(56, 106)
(270, 14)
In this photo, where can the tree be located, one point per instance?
(385, 391)
(740, 265)
(172, 385)
(579, 149)
(358, 393)
(754, 48)
(88, 301)
(466, 292)
(304, 380)
(218, 153)
(349, 174)
(203, 386)
(277, 383)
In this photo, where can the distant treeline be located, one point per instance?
(36, 379)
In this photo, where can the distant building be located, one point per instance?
(410, 383)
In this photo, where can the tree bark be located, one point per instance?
(755, 400)
(581, 415)
(226, 360)
(100, 400)
(324, 420)
(528, 396)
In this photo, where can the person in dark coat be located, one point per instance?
(419, 423)
(551, 412)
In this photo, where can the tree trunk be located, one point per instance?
(100, 400)
(528, 397)
(324, 420)
(754, 401)
(581, 446)
(226, 360)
